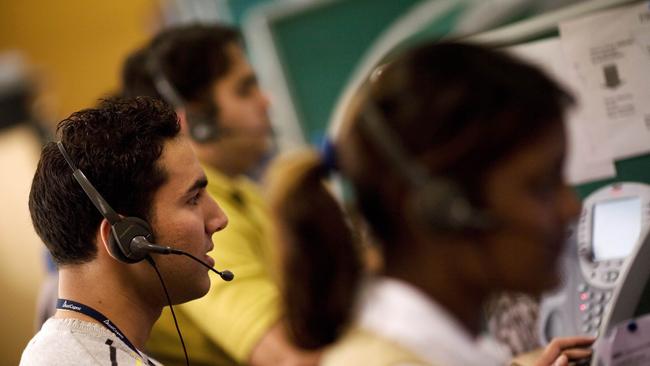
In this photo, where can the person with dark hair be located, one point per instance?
(202, 71)
(454, 154)
(131, 150)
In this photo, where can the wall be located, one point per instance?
(78, 46)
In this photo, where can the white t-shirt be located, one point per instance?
(74, 342)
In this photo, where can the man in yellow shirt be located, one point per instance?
(203, 72)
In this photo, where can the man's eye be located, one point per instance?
(195, 199)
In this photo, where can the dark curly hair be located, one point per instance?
(116, 145)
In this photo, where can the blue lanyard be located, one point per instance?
(65, 304)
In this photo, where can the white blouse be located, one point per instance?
(399, 312)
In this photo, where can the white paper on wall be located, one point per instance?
(586, 161)
(610, 53)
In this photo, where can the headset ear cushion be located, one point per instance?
(122, 234)
(202, 126)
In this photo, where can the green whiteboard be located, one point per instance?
(317, 45)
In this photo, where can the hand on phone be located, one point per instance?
(563, 350)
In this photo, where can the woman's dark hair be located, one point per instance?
(117, 146)
(458, 110)
(320, 262)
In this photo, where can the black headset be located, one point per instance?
(124, 230)
(438, 202)
(131, 239)
(202, 122)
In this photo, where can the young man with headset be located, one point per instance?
(121, 185)
(203, 72)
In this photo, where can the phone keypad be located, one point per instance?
(592, 304)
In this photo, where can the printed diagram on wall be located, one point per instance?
(612, 78)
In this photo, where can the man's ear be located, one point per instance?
(104, 235)
(182, 118)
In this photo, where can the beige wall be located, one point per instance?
(21, 256)
(77, 47)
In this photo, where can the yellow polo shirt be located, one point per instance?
(222, 327)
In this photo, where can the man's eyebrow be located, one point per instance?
(198, 184)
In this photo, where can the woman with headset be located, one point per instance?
(454, 155)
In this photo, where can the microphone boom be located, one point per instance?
(141, 243)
